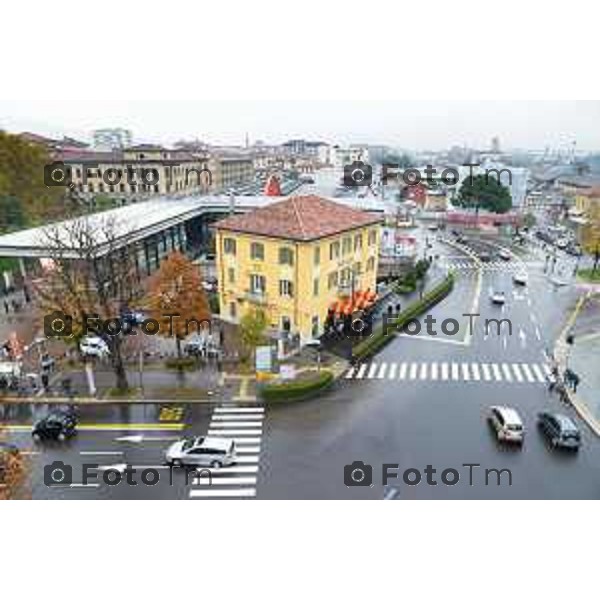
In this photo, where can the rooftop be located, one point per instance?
(301, 218)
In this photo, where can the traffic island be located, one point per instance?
(306, 385)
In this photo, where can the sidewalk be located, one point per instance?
(583, 357)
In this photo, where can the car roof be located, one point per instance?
(218, 443)
(510, 415)
(566, 423)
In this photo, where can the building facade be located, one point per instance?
(230, 171)
(137, 173)
(113, 138)
(293, 259)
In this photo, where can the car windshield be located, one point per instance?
(188, 443)
(515, 426)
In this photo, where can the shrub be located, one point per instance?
(187, 363)
(304, 387)
(379, 339)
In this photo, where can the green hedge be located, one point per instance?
(305, 387)
(379, 339)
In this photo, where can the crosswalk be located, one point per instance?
(243, 424)
(518, 373)
(505, 266)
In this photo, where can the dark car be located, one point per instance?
(57, 425)
(8, 453)
(485, 257)
(560, 430)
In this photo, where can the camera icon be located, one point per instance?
(358, 474)
(57, 174)
(57, 473)
(359, 325)
(358, 174)
(58, 324)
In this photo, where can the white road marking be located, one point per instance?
(538, 373)
(248, 449)
(413, 371)
(227, 470)
(210, 493)
(496, 371)
(349, 374)
(465, 371)
(434, 371)
(372, 371)
(423, 374)
(402, 373)
(382, 370)
(247, 460)
(206, 481)
(444, 371)
(361, 371)
(245, 440)
(244, 416)
(538, 335)
(517, 372)
(231, 432)
(455, 374)
(239, 409)
(100, 453)
(234, 424)
(475, 368)
(392, 371)
(527, 373)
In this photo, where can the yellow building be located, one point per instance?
(293, 259)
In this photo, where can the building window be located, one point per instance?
(231, 275)
(315, 287)
(358, 242)
(357, 268)
(257, 251)
(286, 324)
(286, 256)
(286, 288)
(233, 310)
(258, 284)
(372, 237)
(371, 263)
(346, 245)
(334, 250)
(332, 280)
(315, 326)
(317, 259)
(229, 246)
(121, 187)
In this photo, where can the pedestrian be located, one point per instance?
(45, 381)
(6, 307)
(398, 308)
(575, 381)
(15, 306)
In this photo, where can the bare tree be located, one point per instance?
(92, 275)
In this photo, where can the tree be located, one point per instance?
(485, 192)
(590, 235)
(176, 298)
(12, 215)
(22, 176)
(252, 328)
(13, 472)
(92, 276)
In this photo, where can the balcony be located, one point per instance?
(255, 296)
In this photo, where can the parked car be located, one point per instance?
(504, 254)
(498, 298)
(56, 425)
(507, 424)
(485, 257)
(560, 430)
(521, 278)
(94, 346)
(207, 451)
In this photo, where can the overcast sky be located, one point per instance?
(407, 124)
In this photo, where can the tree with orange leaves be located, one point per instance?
(176, 299)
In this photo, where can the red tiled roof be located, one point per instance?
(301, 218)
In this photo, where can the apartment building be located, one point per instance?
(293, 259)
(231, 170)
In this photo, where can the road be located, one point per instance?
(421, 401)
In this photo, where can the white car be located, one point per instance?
(521, 278)
(94, 346)
(507, 424)
(504, 254)
(206, 451)
(498, 298)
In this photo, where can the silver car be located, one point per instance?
(213, 452)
